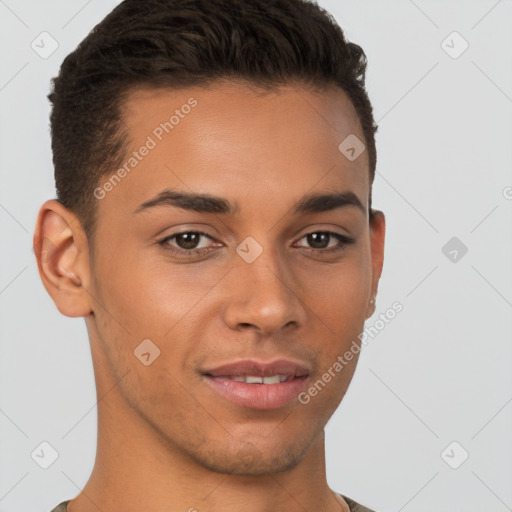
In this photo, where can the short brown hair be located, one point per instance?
(180, 43)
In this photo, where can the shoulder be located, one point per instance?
(61, 507)
(354, 507)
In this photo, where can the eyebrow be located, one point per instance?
(316, 203)
(203, 203)
(206, 203)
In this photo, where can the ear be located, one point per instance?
(377, 236)
(62, 254)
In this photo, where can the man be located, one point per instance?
(213, 164)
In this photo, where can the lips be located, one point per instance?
(258, 385)
(251, 367)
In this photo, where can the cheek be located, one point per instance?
(327, 390)
(148, 294)
(339, 302)
(338, 295)
(137, 300)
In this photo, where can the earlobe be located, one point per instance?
(60, 247)
(371, 308)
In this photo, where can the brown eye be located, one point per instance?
(187, 240)
(321, 241)
(187, 243)
(318, 240)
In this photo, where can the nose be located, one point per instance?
(263, 295)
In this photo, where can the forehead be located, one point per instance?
(226, 105)
(232, 138)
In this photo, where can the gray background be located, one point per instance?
(439, 372)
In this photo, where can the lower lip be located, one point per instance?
(258, 396)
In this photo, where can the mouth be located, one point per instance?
(258, 385)
(255, 379)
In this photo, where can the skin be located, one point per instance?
(165, 438)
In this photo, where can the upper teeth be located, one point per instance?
(252, 379)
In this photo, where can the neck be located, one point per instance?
(135, 470)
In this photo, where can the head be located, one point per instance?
(247, 104)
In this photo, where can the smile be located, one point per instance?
(253, 379)
(258, 385)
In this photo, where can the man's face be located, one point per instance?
(213, 299)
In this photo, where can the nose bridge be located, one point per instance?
(263, 288)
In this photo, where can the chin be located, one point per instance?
(251, 460)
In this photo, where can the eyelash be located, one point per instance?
(190, 253)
